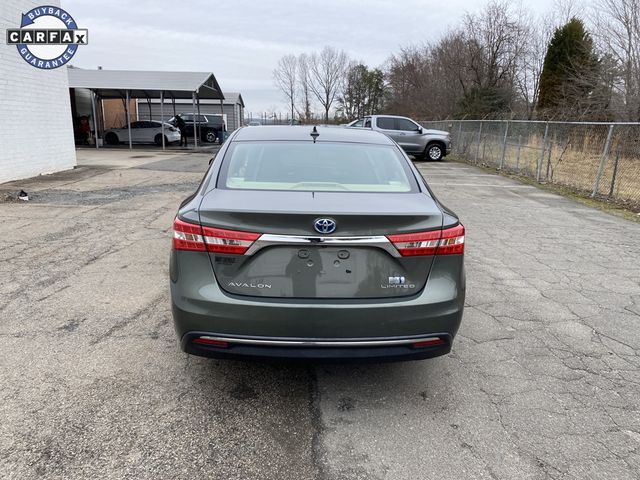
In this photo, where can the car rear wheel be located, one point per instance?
(111, 139)
(158, 140)
(434, 152)
(211, 136)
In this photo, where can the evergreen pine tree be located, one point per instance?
(569, 72)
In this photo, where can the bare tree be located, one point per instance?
(304, 86)
(328, 70)
(617, 32)
(496, 38)
(285, 77)
(563, 11)
(531, 60)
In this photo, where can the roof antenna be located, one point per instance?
(315, 134)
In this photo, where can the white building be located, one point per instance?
(35, 114)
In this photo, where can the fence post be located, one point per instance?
(459, 139)
(479, 141)
(504, 145)
(615, 173)
(518, 155)
(603, 162)
(544, 146)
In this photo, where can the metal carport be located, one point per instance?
(127, 84)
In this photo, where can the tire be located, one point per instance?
(158, 140)
(111, 139)
(210, 136)
(434, 152)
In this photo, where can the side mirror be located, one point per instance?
(211, 160)
(420, 130)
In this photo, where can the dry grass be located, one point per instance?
(571, 159)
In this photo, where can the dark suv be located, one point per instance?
(210, 127)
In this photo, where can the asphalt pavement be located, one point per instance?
(543, 380)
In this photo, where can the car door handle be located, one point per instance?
(401, 133)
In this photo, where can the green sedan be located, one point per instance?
(315, 243)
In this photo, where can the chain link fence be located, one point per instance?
(598, 159)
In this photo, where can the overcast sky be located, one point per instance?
(240, 41)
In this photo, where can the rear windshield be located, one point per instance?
(327, 167)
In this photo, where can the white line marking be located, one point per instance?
(479, 185)
(443, 168)
(465, 175)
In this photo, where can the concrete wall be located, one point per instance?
(36, 132)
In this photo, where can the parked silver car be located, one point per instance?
(412, 137)
(148, 131)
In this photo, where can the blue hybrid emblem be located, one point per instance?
(324, 225)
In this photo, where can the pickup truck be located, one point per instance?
(209, 126)
(412, 137)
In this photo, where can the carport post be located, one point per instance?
(162, 117)
(198, 109)
(126, 107)
(95, 119)
(195, 133)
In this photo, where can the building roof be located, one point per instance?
(303, 132)
(233, 97)
(230, 98)
(146, 84)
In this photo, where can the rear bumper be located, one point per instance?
(201, 307)
(392, 349)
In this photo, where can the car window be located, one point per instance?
(201, 118)
(135, 125)
(187, 118)
(385, 123)
(358, 123)
(405, 124)
(305, 166)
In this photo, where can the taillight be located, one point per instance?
(452, 241)
(190, 236)
(228, 241)
(187, 236)
(436, 242)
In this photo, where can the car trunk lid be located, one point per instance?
(292, 260)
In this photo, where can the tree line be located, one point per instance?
(332, 81)
(502, 62)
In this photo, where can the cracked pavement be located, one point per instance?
(543, 381)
